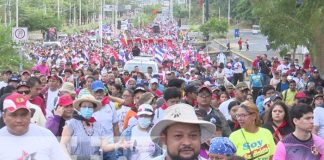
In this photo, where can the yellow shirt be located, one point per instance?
(290, 99)
(259, 145)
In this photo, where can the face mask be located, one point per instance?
(86, 112)
(144, 122)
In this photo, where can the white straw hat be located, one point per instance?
(87, 98)
(182, 113)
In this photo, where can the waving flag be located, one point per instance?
(158, 54)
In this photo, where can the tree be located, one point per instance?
(214, 25)
(288, 25)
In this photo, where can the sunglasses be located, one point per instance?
(24, 92)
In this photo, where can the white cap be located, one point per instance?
(154, 80)
(145, 109)
(266, 101)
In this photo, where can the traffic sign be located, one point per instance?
(20, 34)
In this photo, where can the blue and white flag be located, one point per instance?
(158, 54)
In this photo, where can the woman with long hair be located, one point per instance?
(252, 141)
(277, 121)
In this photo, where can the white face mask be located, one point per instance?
(144, 122)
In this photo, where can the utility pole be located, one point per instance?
(171, 10)
(74, 14)
(9, 5)
(206, 10)
(116, 16)
(58, 9)
(45, 9)
(189, 10)
(5, 14)
(100, 24)
(17, 13)
(80, 11)
(70, 15)
(229, 12)
(203, 14)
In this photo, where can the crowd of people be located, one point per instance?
(76, 103)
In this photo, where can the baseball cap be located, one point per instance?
(241, 86)
(14, 102)
(14, 78)
(65, 100)
(97, 85)
(300, 95)
(53, 77)
(318, 95)
(145, 109)
(154, 80)
(139, 89)
(22, 83)
(267, 100)
(204, 87)
(25, 72)
(275, 97)
(191, 89)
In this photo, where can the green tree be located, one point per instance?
(288, 26)
(214, 25)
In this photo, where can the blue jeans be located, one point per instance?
(109, 155)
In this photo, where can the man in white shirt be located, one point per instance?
(238, 71)
(52, 94)
(21, 139)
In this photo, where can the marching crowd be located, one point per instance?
(76, 103)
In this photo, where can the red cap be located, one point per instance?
(53, 77)
(300, 95)
(14, 102)
(65, 100)
(205, 87)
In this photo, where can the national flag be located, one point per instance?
(158, 54)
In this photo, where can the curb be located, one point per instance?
(235, 52)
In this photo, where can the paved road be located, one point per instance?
(257, 44)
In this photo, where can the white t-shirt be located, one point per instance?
(37, 143)
(121, 113)
(223, 107)
(319, 120)
(107, 116)
(228, 72)
(51, 95)
(282, 68)
(238, 67)
(142, 143)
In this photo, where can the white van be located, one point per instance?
(142, 62)
(256, 29)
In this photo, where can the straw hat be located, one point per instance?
(87, 98)
(182, 113)
(68, 87)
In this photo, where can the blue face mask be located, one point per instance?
(144, 122)
(86, 112)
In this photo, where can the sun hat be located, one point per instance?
(14, 102)
(145, 109)
(222, 146)
(182, 113)
(87, 98)
(65, 100)
(68, 87)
